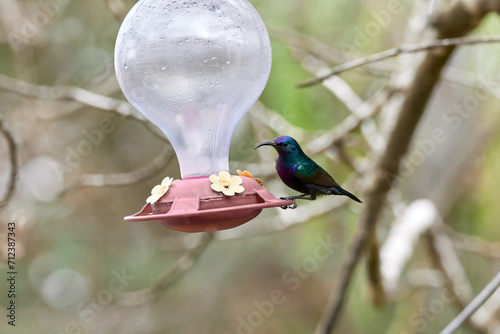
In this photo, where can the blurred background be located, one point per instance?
(84, 160)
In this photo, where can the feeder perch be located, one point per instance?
(194, 69)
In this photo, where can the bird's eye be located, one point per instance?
(284, 144)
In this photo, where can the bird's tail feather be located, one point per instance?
(342, 191)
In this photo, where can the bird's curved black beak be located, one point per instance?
(267, 143)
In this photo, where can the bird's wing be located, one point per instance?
(310, 172)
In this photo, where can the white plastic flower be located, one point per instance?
(226, 184)
(159, 190)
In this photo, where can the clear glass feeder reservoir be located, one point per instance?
(194, 68)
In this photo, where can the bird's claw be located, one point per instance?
(293, 206)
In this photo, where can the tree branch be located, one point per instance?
(385, 170)
(312, 46)
(180, 267)
(402, 239)
(350, 124)
(445, 259)
(117, 8)
(475, 244)
(117, 179)
(11, 185)
(440, 43)
(474, 305)
(77, 94)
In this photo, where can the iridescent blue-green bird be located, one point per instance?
(301, 173)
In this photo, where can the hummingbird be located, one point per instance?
(301, 173)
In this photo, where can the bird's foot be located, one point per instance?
(293, 206)
(302, 196)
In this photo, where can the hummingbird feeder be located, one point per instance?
(194, 68)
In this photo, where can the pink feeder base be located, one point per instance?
(192, 206)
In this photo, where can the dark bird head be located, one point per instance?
(284, 145)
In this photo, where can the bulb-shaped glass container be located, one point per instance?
(194, 68)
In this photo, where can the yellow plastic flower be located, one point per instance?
(159, 190)
(226, 184)
(248, 174)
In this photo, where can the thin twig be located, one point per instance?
(117, 8)
(312, 46)
(445, 259)
(269, 119)
(474, 305)
(336, 85)
(350, 124)
(475, 244)
(340, 152)
(120, 179)
(181, 266)
(11, 185)
(117, 179)
(77, 94)
(308, 43)
(447, 42)
(465, 78)
(444, 256)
